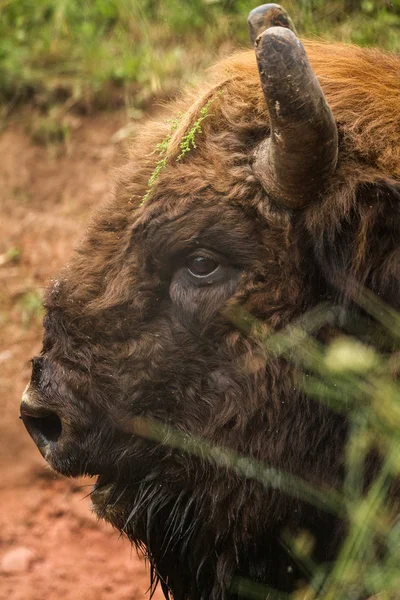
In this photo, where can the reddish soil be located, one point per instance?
(51, 545)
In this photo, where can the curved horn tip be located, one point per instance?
(301, 152)
(285, 70)
(274, 37)
(265, 16)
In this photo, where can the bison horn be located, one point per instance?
(294, 164)
(265, 16)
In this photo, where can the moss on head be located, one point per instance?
(188, 142)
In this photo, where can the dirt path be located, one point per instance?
(51, 546)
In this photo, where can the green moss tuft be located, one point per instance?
(161, 149)
(188, 142)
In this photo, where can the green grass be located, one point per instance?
(101, 52)
(30, 307)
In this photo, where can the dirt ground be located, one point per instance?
(51, 545)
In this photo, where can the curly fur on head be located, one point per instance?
(129, 334)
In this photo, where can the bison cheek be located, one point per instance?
(199, 304)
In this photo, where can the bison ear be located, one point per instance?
(265, 16)
(364, 246)
(295, 163)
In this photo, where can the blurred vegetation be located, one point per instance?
(30, 307)
(359, 381)
(101, 52)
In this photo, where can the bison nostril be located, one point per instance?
(43, 426)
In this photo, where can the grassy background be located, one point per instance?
(102, 52)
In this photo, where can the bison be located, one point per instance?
(273, 188)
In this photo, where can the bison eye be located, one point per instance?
(202, 265)
(202, 283)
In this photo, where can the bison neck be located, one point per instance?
(209, 532)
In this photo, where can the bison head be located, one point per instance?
(265, 201)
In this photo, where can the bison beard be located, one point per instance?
(290, 198)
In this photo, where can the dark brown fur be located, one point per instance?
(127, 337)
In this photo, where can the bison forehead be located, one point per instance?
(125, 264)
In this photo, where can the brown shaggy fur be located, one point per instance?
(129, 334)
